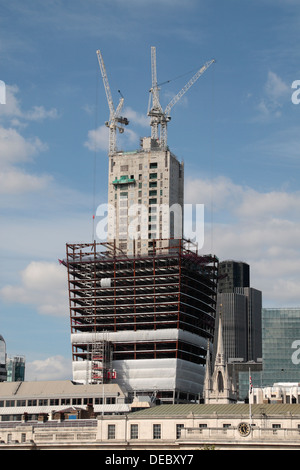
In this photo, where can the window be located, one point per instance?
(111, 431)
(134, 431)
(153, 192)
(43, 402)
(54, 401)
(76, 401)
(21, 402)
(178, 430)
(111, 400)
(65, 401)
(156, 431)
(87, 401)
(10, 403)
(153, 176)
(275, 428)
(153, 165)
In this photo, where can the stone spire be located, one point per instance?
(218, 385)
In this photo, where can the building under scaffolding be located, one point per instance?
(143, 321)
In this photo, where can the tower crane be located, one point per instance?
(156, 113)
(114, 115)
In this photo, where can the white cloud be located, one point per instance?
(14, 148)
(262, 229)
(43, 285)
(276, 94)
(52, 368)
(13, 110)
(98, 139)
(275, 88)
(219, 193)
(15, 181)
(271, 204)
(136, 117)
(38, 113)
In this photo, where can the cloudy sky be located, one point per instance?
(237, 130)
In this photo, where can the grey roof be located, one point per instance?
(56, 388)
(184, 410)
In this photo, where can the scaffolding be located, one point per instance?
(101, 362)
(170, 288)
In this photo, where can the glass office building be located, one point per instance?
(280, 345)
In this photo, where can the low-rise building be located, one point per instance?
(184, 427)
(29, 400)
(280, 392)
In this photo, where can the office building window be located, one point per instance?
(178, 430)
(111, 431)
(134, 431)
(156, 431)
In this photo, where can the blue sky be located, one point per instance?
(236, 129)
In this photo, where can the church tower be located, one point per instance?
(219, 387)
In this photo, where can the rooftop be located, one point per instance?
(184, 410)
(55, 388)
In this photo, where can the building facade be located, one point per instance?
(172, 428)
(15, 369)
(3, 373)
(280, 345)
(233, 274)
(30, 401)
(156, 312)
(145, 198)
(285, 392)
(241, 307)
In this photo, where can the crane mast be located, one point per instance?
(114, 115)
(156, 113)
(156, 110)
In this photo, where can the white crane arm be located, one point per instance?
(120, 106)
(187, 86)
(106, 85)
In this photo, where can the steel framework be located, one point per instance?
(169, 289)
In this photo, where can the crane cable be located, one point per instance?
(95, 160)
(176, 78)
(212, 167)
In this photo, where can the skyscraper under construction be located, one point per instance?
(143, 303)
